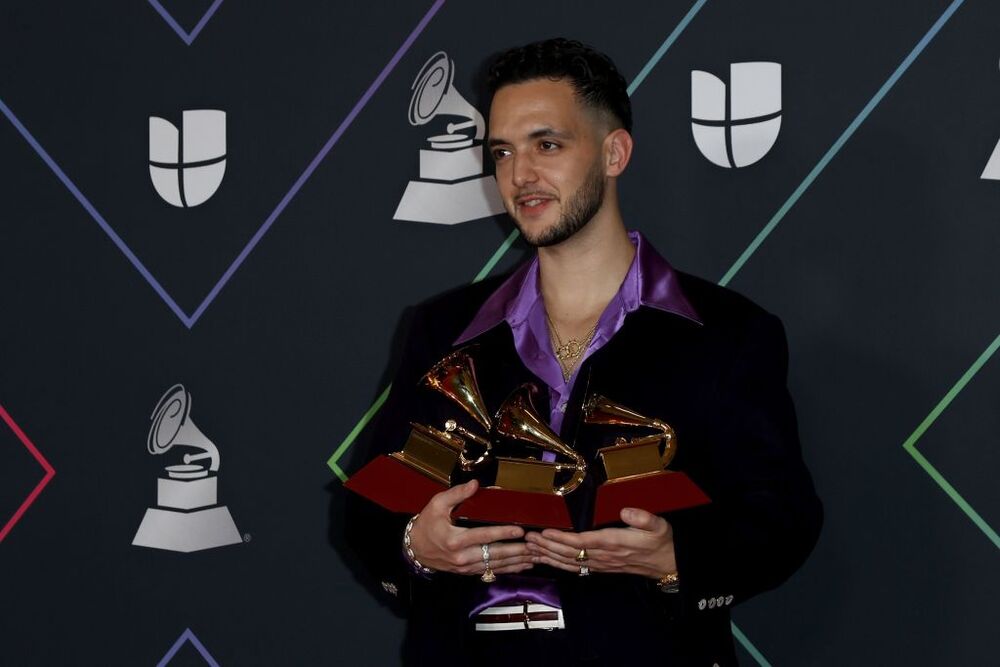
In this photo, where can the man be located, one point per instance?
(598, 311)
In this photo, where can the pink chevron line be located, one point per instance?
(49, 473)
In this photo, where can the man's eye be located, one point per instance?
(548, 145)
(500, 153)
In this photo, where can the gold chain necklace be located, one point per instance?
(569, 353)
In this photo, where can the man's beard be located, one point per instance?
(580, 209)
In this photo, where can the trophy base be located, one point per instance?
(655, 492)
(187, 531)
(394, 485)
(187, 494)
(492, 505)
(450, 203)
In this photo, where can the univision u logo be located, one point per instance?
(736, 125)
(187, 165)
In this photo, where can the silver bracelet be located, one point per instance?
(409, 550)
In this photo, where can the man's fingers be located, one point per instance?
(449, 499)
(575, 567)
(606, 538)
(499, 552)
(473, 555)
(539, 550)
(513, 569)
(593, 555)
(575, 540)
(498, 565)
(642, 519)
(555, 548)
(468, 558)
(558, 564)
(504, 563)
(487, 535)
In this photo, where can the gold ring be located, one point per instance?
(582, 556)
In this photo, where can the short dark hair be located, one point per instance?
(595, 79)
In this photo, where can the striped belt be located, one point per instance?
(527, 616)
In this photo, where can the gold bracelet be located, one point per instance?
(669, 583)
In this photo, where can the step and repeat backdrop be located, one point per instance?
(216, 214)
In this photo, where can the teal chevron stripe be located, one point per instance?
(777, 218)
(513, 236)
(749, 647)
(911, 443)
(500, 252)
(667, 43)
(839, 143)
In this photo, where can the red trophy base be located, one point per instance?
(656, 492)
(399, 488)
(494, 505)
(394, 485)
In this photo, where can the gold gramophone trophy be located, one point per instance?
(526, 491)
(635, 468)
(405, 481)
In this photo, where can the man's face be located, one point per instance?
(548, 153)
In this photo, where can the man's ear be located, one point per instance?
(617, 152)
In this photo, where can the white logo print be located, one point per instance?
(737, 125)
(992, 170)
(187, 517)
(452, 188)
(187, 165)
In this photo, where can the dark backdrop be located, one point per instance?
(867, 229)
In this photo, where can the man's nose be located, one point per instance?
(523, 170)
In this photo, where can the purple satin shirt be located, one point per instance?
(650, 282)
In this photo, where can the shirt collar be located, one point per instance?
(650, 281)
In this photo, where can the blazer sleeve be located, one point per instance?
(373, 533)
(765, 517)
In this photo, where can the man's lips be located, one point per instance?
(533, 203)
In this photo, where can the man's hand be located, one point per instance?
(645, 548)
(441, 545)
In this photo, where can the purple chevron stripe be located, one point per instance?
(331, 142)
(187, 636)
(188, 37)
(136, 262)
(190, 320)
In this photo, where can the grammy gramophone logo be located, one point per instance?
(451, 188)
(187, 516)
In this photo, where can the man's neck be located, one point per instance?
(580, 276)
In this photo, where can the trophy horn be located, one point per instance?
(172, 425)
(517, 419)
(455, 377)
(434, 94)
(601, 410)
